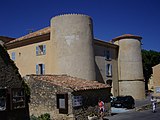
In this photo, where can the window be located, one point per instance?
(77, 101)
(3, 99)
(157, 89)
(40, 69)
(13, 56)
(107, 55)
(41, 50)
(62, 103)
(18, 98)
(108, 70)
(109, 82)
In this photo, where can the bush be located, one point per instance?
(32, 117)
(45, 116)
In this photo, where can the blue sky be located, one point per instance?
(111, 18)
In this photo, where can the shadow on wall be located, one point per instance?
(99, 77)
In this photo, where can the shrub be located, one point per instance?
(45, 116)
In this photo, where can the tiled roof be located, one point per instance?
(126, 36)
(73, 83)
(33, 34)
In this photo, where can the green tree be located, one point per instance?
(149, 58)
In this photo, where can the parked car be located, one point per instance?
(123, 102)
(112, 99)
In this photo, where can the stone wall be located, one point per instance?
(43, 100)
(9, 75)
(10, 78)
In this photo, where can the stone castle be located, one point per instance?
(68, 47)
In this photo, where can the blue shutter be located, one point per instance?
(43, 68)
(107, 70)
(110, 70)
(13, 56)
(37, 69)
(44, 49)
(36, 50)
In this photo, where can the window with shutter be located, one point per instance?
(40, 69)
(108, 70)
(40, 50)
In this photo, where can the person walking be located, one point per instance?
(101, 108)
(153, 102)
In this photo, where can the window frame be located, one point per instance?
(40, 69)
(21, 99)
(40, 50)
(107, 54)
(65, 98)
(6, 99)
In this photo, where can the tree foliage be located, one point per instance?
(149, 58)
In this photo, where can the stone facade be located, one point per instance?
(156, 80)
(44, 91)
(106, 54)
(130, 70)
(10, 83)
(67, 46)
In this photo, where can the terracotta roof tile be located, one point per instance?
(73, 83)
(33, 34)
(126, 36)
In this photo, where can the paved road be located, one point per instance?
(139, 103)
(135, 115)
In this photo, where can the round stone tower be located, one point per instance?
(130, 70)
(72, 38)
